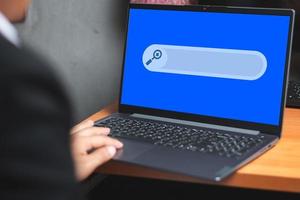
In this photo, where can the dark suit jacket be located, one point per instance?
(35, 160)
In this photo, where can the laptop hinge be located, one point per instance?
(198, 124)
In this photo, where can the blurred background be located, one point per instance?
(84, 42)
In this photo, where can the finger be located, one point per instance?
(100, 156)
(82, 125)
(94, 142)
(92, 131)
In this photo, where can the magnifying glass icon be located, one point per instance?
(156, 56)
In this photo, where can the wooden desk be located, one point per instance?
(278, 169)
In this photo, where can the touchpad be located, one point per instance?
(131, 150)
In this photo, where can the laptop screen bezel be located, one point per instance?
(264, 128)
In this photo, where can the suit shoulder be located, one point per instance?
(19, 65)
(14, 61)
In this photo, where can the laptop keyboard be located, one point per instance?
(293, 98)
(182, 137)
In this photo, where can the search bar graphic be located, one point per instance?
(209, 62)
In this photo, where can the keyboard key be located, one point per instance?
(181, 137)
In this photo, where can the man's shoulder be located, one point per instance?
(16, 60)
(23, 62)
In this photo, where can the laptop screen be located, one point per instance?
(222, 65)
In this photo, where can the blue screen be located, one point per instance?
(222, 65)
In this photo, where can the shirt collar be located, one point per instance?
(8, 31)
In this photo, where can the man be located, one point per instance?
(36, 162)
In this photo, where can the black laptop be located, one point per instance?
(203, 88)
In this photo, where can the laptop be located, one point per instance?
(195, 95)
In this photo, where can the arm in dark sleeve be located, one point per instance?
(35, 160)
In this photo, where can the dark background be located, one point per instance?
(125, 187)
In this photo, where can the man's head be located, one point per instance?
(14, 10)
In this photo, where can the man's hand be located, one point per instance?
(91, 147)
